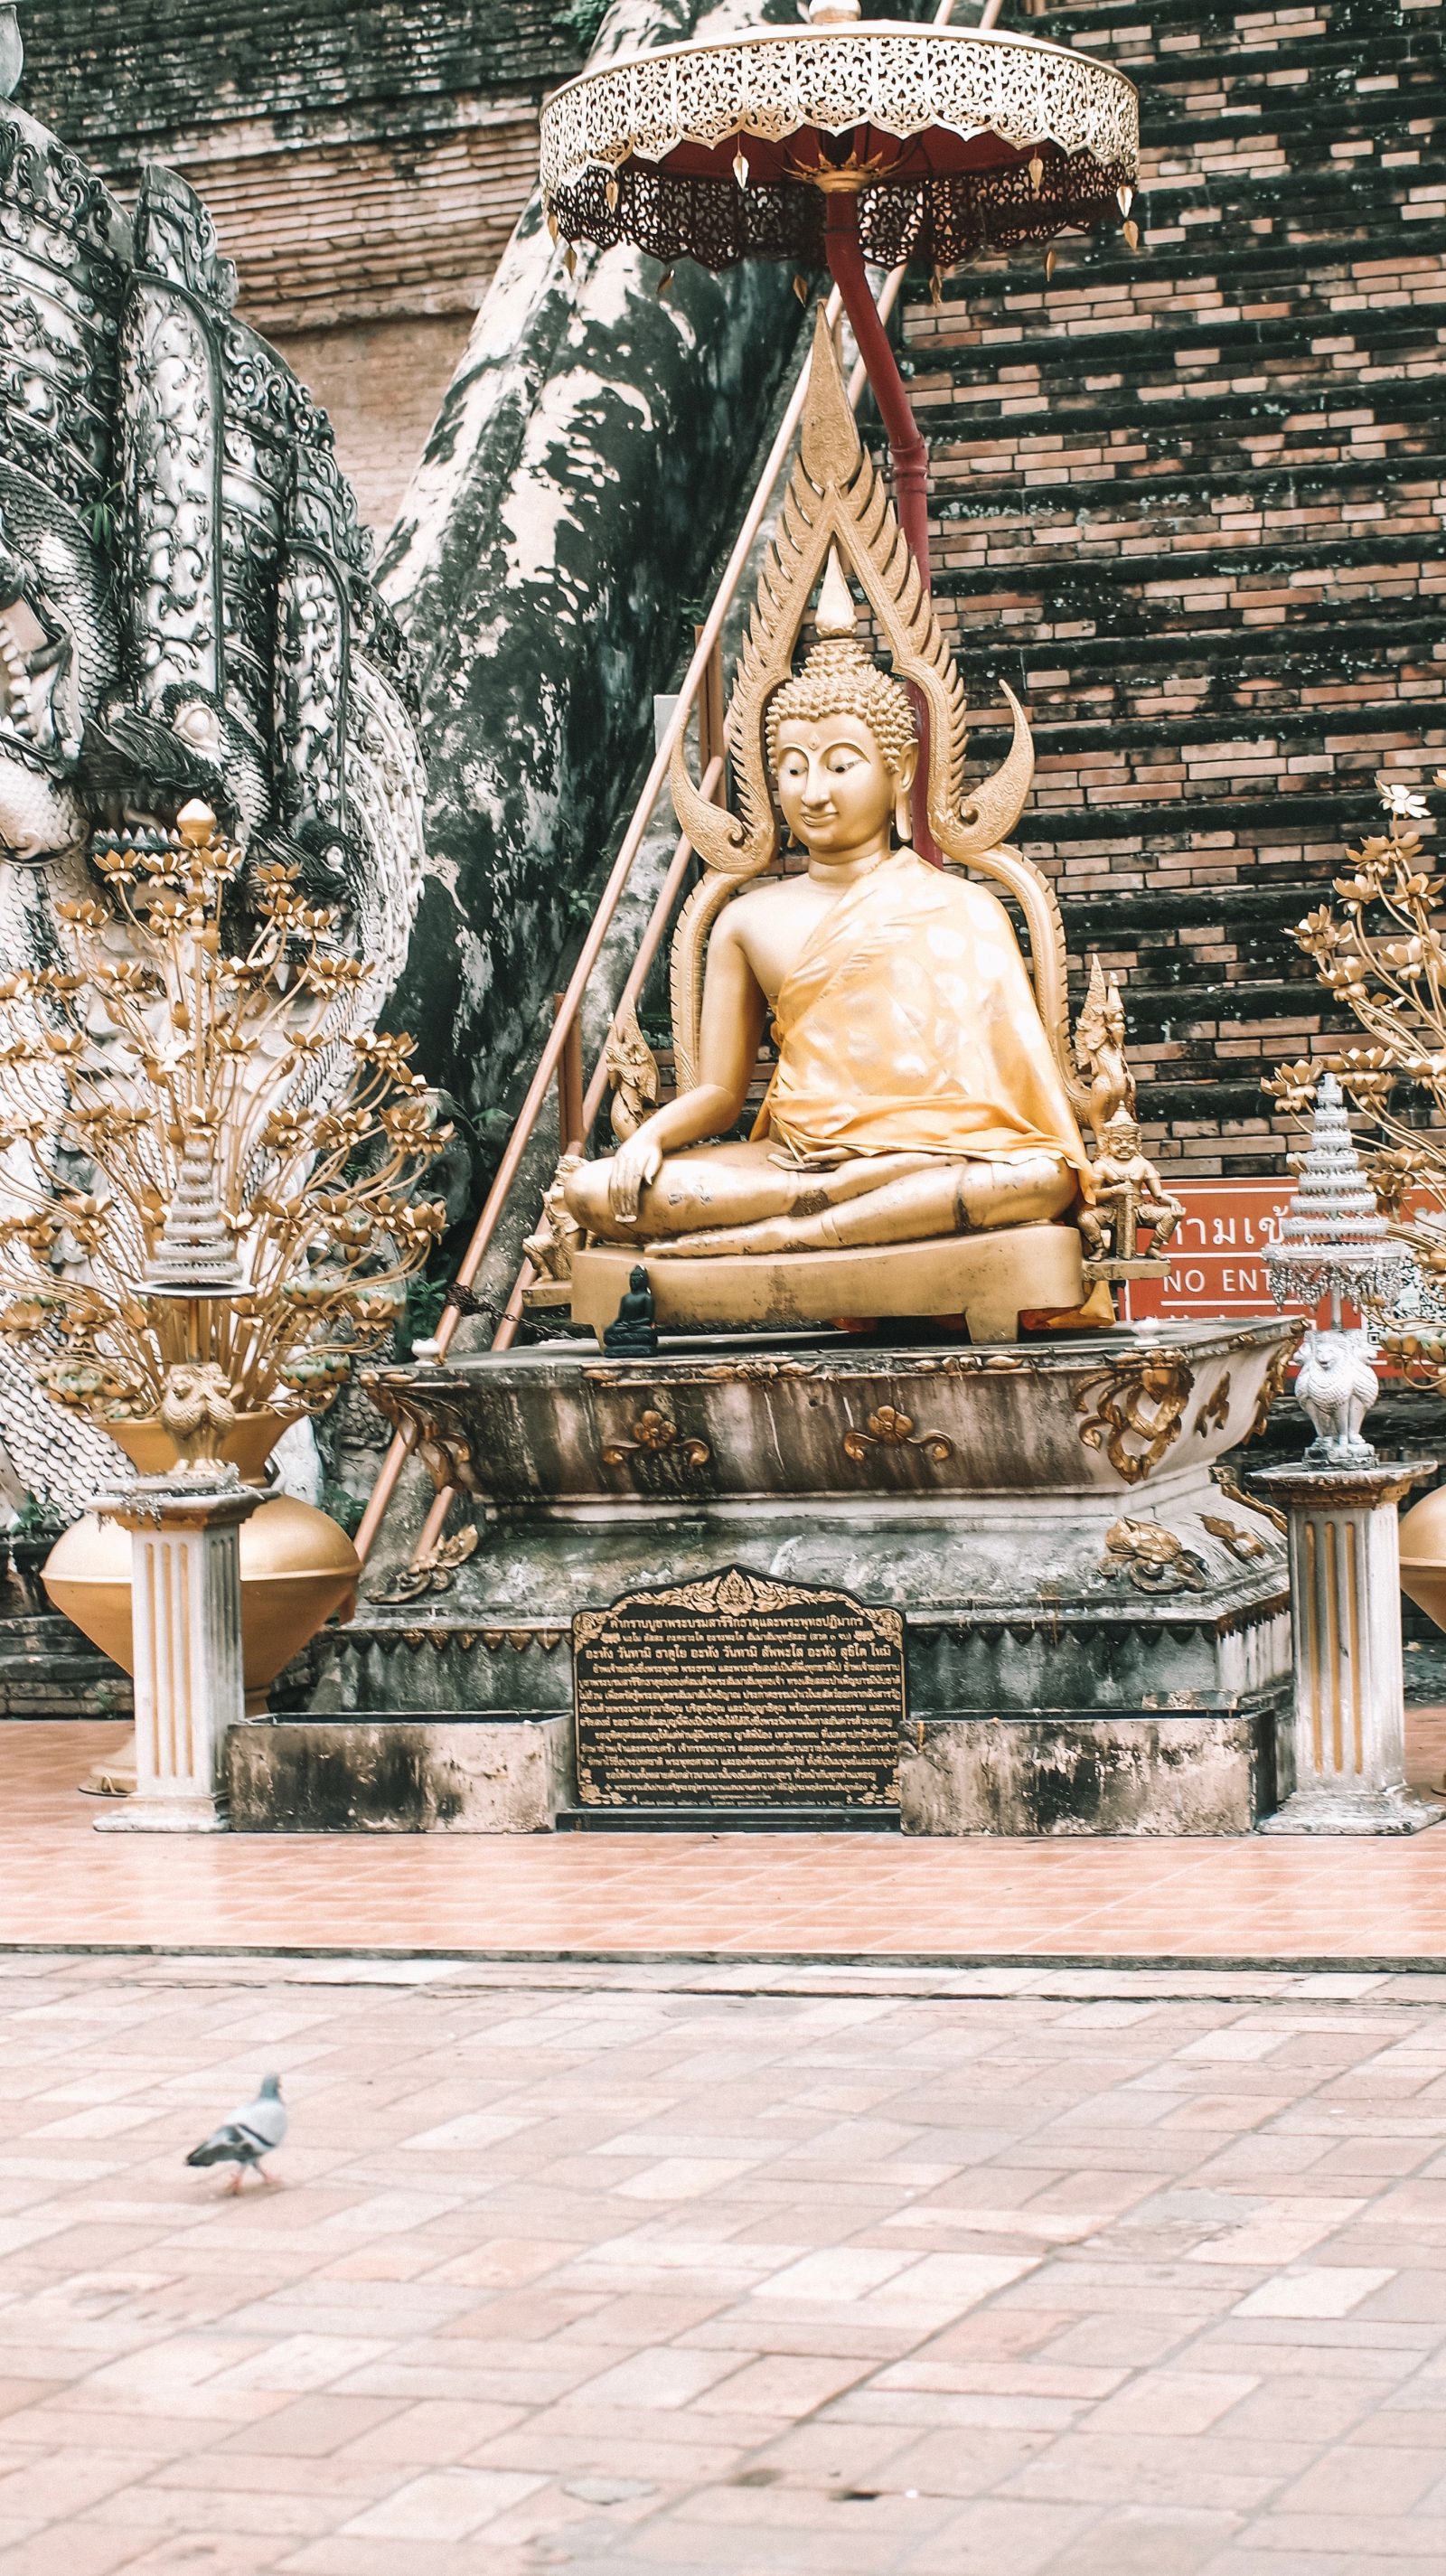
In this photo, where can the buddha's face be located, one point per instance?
(836, 788)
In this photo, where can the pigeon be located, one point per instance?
(247, 2136)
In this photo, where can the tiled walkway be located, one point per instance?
(739, 1896)
(628, 2273)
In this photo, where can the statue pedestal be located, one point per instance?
(1349, 1705)
(1032, 1579)
(186, 1625)
(990, 1278)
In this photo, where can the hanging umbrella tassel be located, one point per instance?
(1036, 173)
(740, 168)
(1051, 260)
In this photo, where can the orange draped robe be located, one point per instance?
(910, 1024)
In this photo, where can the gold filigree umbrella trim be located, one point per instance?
(901, 81)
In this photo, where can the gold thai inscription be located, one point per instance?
(739, 1692)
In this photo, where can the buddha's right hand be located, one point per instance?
(637, 1162)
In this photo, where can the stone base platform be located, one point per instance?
(1095, 1638)
(1137, 1772)
(47, 1669)
(417, 1773)
(1210, 1770)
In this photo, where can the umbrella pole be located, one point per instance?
(906, 447)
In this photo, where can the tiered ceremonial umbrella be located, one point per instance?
(840, 142)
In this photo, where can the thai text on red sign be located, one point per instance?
(1217, 1254)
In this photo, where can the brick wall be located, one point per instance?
(1191, 504)
(380, 384)
(116, 75)
(365, 165)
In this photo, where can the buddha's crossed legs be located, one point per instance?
(722, 1200)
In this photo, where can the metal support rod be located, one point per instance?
(628, 998)
(652, 938)
(710, 707)
(434, 1524)
(648, 946)
(402, 1444)
(594, 1101)
(398, 1452)
(570, 1126)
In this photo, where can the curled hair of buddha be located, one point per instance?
(838, 679)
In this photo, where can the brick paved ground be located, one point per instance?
(740, 1896)
(658, 2273)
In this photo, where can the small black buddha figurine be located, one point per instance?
(635, 1327)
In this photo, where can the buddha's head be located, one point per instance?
(842, 740)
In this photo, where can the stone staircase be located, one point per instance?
(1190, 503)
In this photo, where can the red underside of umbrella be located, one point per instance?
(936, 197)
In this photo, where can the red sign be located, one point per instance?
(1217, 1253)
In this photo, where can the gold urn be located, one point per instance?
(297, 1565)
(1423, 1555)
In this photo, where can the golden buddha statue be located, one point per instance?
(918, 1145)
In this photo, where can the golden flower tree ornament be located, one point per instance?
(1380, 948)
(171, 1051)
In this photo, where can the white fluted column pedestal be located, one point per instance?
(1349, 1698)
(186, 1625)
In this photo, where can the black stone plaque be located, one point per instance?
(738, 1692)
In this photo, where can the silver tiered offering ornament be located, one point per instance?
(1347, 1737)
(1334, 1243)
(196, 1254)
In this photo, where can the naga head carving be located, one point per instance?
(186, 602)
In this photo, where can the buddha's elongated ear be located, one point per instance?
(904, 777)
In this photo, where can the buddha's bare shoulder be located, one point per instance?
(773, 901)
(766, 896)
(972, 903)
